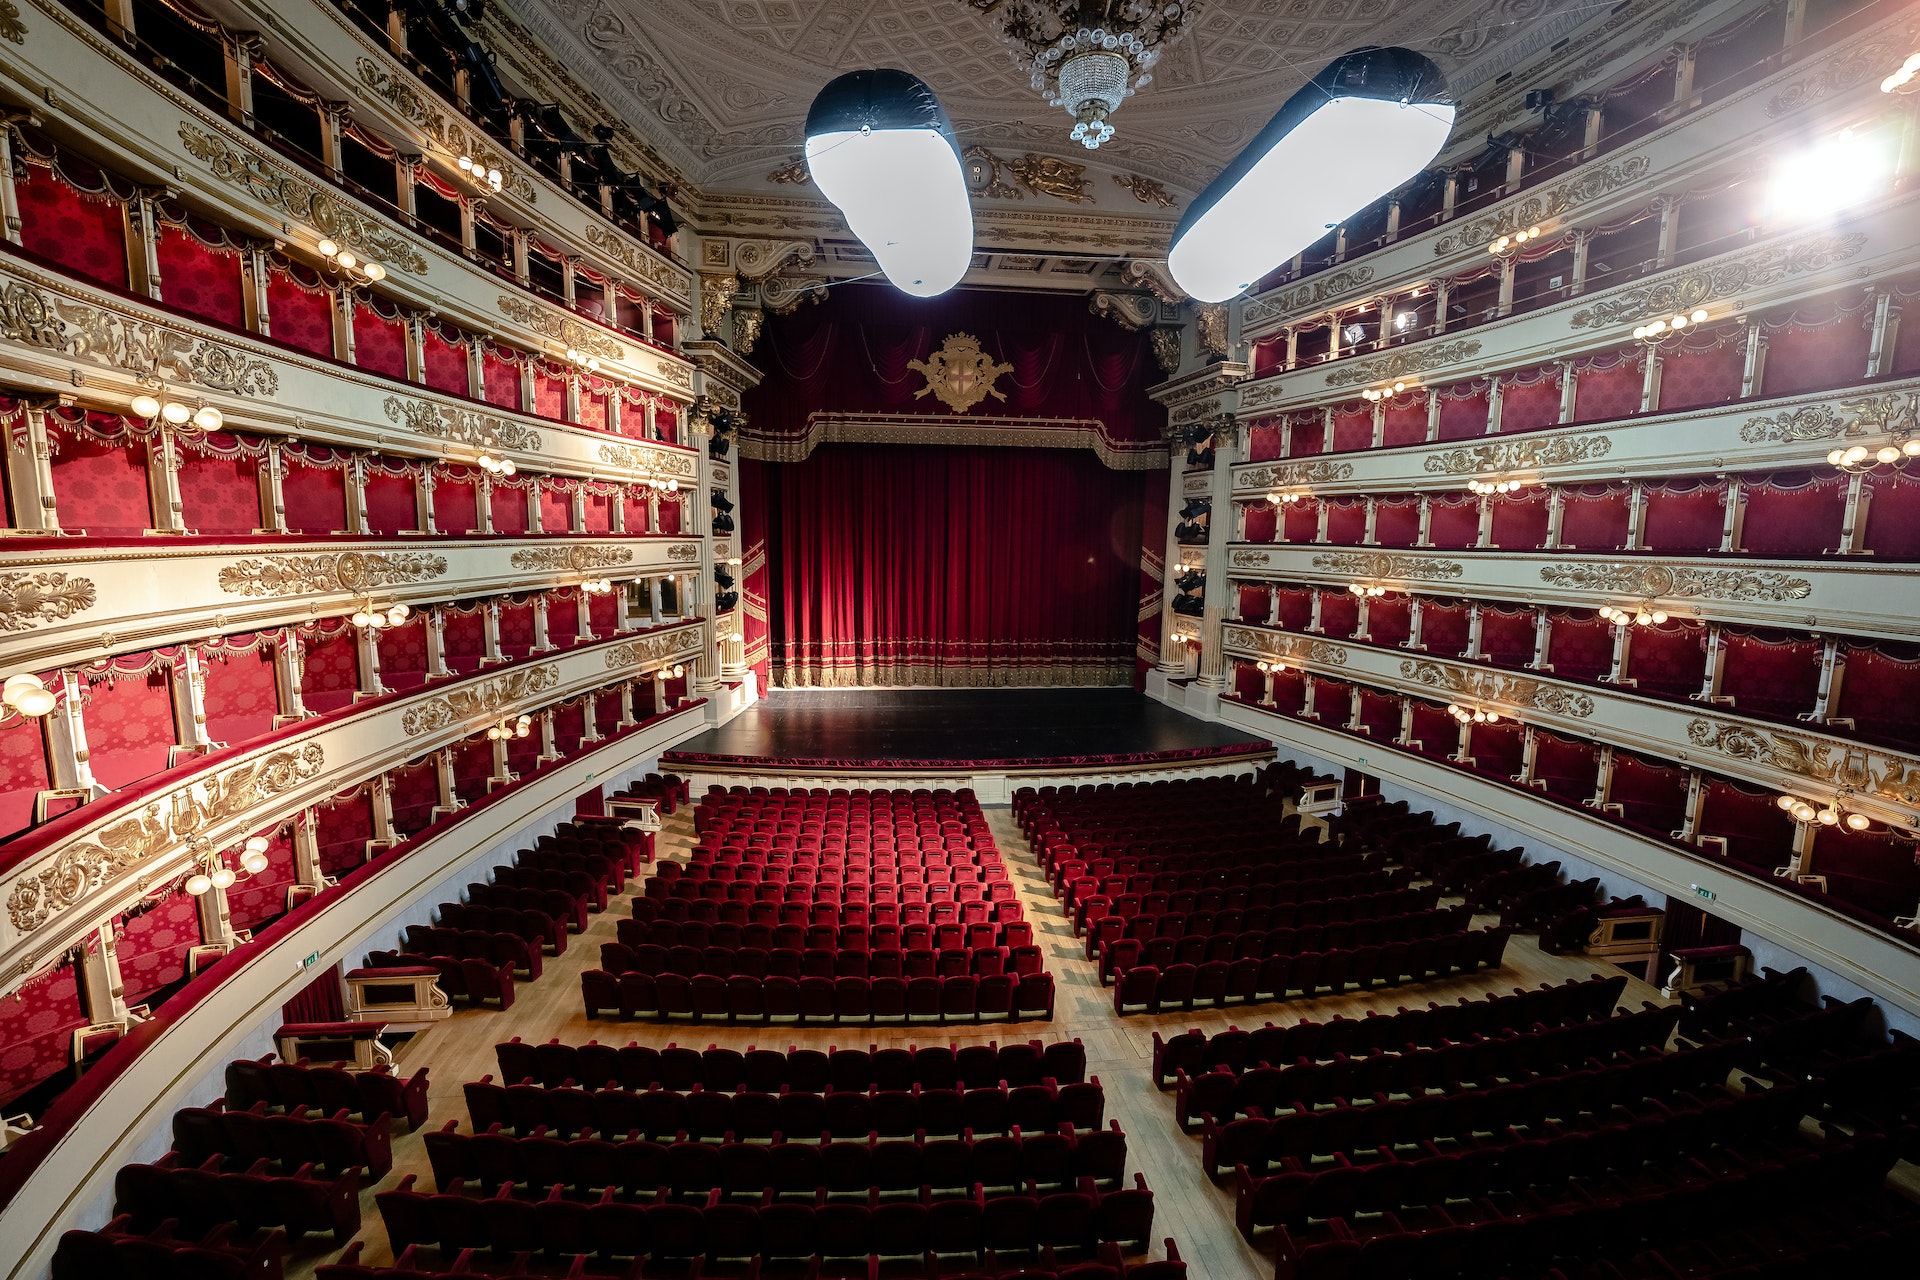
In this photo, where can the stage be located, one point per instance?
(942, 736)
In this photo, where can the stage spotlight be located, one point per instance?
(1825, 179)
(1368, 122)
(879, 146)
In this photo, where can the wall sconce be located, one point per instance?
(1657, 329)
(496, 466)
(507, 728)
(582, 361)
(1472, 715)
(175, 413)
(1279, 499)
(348, 262)
(214, 873)
(1387, 393)
(1859, 457)
(1366, 590)
(1902, 76)
(1829, 815)
(596, 586)
(1270, 668)
(1511, 243)
(480, 173)
(1488, 487)
(1642, 615)
(25, 695)
(664, 486)
(373, 618)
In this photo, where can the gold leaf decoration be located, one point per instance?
(1488, 686)
(1282, 644)
(1509, 455)
(1401, 364)
(1308, 295)
(960, 375)
(460, 426)
(684, 552)
(548, 323)
(443, 129)
(1145, 190)
(1891, 412)
(483, 701)
(1551, 202)
(675, 282)
(82, 331)
(28, 599)
(655, 648)
(656, 462)
(10, 25)
(1382, 564)
(1297, 473)
(1684, 291)
(330, 573)
(792, 170)
(1052, 176)
(574, 559)
(1653, 581)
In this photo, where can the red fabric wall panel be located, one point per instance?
(260, 898)
(1893, 517)
(1497, 749)
(569, 724)
(83, 233)
(345, 827)
(129, 728)
(1757, 831)
(1462, 417)
(606, 714)
(523, 754)
(1683, 520)
(563, 618)
(1580, 646)
(1396, 524)
(1434, 733)
(1389, 619)
(667, 423)
(1253, 601)
(1268, 355)
(36, 1031)
(603, 615)
(241, 700)
(1289, 692)
(516, 628)
(1443, 629)
(315, 498)
(1263, 440)
(549, 393)
(1296, 608)
(1346, 522)
(1379, 715)
(1309, 437)
(1771, 675)
(672, 513)
(1405, 421)
(403, 654)
(1520, 521)
(1817, 358)
(200, 279)
(1613, 392)
(23, 774)
(465, 635)
(472, 766)
(101, 485)
(1248, 682)
(379, 344)
(455, 505)
(1300, 521)
(392, 506)
(153, 946)
(415, 792)
(1870, 869)
(500, 379)
(299, 317)
(1352, 427)
(1653, 795)
(1529, 406)
(1570, 768)
(219, 495)
(1262, 521)
(1670, 659)
(1880, 693)
(636, 505)
(1332, 702)
(593, 408)
(1695, 378)
(1595, 519)
(443, 362)
(1453, 526)
(556, 510)
(1506, 637)
(331, 672)
(599, 512)
(1339, 613)
(1799, 515)
(509, 506)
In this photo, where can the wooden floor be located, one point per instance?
(1196, 1213)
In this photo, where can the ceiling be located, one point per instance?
(723, 86)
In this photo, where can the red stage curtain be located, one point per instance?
(1758, 832)
(563, 618)
(1404, 421)
(415, 792)
(1463, 410)
(36, 1029)
(392, 506)
(1580, 646)
(556, 508)
(953, 566)
(241, 700)
(516, 628)
(549, 392)
(101, 484)
(1454, 524)
(1296, 607)
(1829, 350)
(1506, 637)
(444, 362)
(331, 673)
(1497, 749)
(1880, 693)
(1610, 392)
(455, 502)
(83, 232)
(569, 726)
(379, 342)
(1569, 767)
(1346, 522)
(300, 312)
(1300, 521)
(1694, 377)
(465, 635)
(1443, 628)
(153, 946)
(1893, 516)
(1669, 660)
(23, 774)
(508, 502)
(1874, 869)
(1653, 795)
(129, 726)
(403, 654)
(219, 495)
(1520, 520)
(1352, 426)
(263, 897)
(344, 829)
(1685, 518)
(599, 512)
(1262, 521)
(1389, 619)
(1263, 440)
(1795, 514)
(1530, 405)
(1396, 524)
(1771, 673)
(1435, 733)
(1339, 613)
(1595, 518)
(201, 278)
(315, 496)
(500, 379)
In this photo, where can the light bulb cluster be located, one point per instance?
(176, 413)
(1861, 458)
(597, 586)
(214, 873)
(373, 618)
(1270, 668)
(481, 173)
(510, 728)
(1653, 331)
(497, 466)
(27, 695)
(1472, 715)
(582, 360)
(1386, 393)
(664, 486)
(1366, 590)
(1504, 244)
(347, 261)
(1642, 615)
(1487, 487)
(1901, 78)
(1827, 815)
(673, 672)
(1280, 499)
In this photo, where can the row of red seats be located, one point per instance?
(286, 1085)
(820, 962)
(1122, 954)
(1149, 989)
(930, 1168)
(1260, 1141)
(1754, 999)
(753, 864)
(202, 1197)
(834, 891)
(538, 928)
(1299, 902)
(749, 1114)
(1258, 870)
(568, 911)
(1065, 863)
(607, 875)
(1327, 913)
(933, 1066)
(1164, 795)
(582, 886)
(508, 949)
(1233, 1049)
(732, 911)
(846, 937)
(121, 1251)
(240, 1138)
(820, 1001)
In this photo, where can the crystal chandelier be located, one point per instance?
(1088, 56)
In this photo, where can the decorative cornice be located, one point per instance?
(1547, 203)
(550, 324)
(1492, 686)
(1401, 364)
(460, 426)
(653, 461)
(575, 559)
(946, 429)
(1285, 474)
(1888, 412)
(1383, 564)
(478, 701)
(420, 111)
(675, 282)
(1859, 769)
(1517, 454)
(1842, 72)
(1687, 290)
(651, 650)
(684, 551)
(1660, 582)
(350, 572)
(1281, 644)
(28, 599)
(1306, 297)
(11, 28)
(83, 332)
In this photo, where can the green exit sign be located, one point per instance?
(1701, 891)
(311, 960)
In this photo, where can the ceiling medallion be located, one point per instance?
(1089, 56)
(960, 375)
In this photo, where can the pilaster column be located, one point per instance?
(1582, 249)
(366, 643)
(1853, 523)
(541, 641)
(445, 783)
(1483, 530)
(490, 633)
(9, 196)
(1174, 667)
(1696, 801)
(583, 619)
(1886, 331)
(356, 484)
(1313, 615)
(29, 456)
(592, 718)
(1733, 525)
(1542, 640)
(1833, 670)
(423, 500)
(163, 482)
(187, 684)
(380, 800)
(436, 625)
(289, 660)
(216, 921)
(1603, 779)
(548, 747)
(96, 975)
(143, 255)
(1622, 652)
(1496, 399)
(1369, 536)
(1569, 388)
(1716, 665)
(655, 611)
(1423, 535)
(273, 491)
(1475, 621)
(627, 718)
(307, 873)
(1636, 518)
(68, 767)
(1754, 368)
(1416, 618)
(1556, 517)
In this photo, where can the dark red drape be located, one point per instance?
(952, 566)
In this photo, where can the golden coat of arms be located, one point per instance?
(960, 374)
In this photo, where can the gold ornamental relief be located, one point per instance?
(30, 599)
(574, 559)
(481, 701)
(960, 375)
(637, 653)
(349, 571)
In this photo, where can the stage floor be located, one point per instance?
(957, 725)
